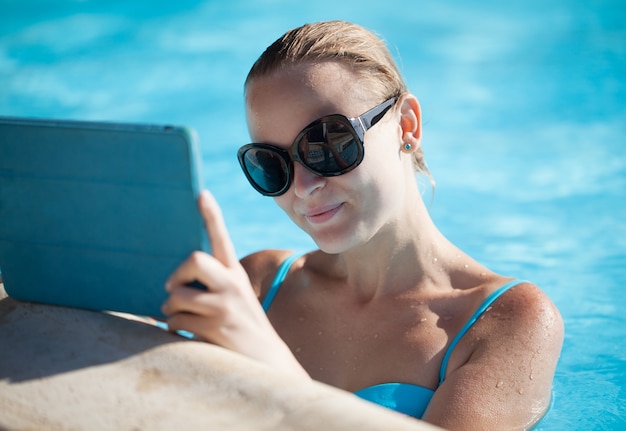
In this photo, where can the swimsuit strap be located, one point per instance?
(483, 307)
(278, 280)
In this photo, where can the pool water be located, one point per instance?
(525, 132)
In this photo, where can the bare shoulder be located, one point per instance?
(504, 367)
(262, 267)
(523, 324)
(525, 309)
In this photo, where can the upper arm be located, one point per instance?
(505, 381)
(262, 267)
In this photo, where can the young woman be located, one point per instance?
(387, 307)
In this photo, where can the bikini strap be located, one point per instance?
(278, 280)
(479, 312)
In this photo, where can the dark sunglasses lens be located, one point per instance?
(329, 148)
(266, 168)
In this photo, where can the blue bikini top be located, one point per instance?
(404, 398)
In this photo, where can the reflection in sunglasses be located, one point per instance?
(267, 168)
(334, 147)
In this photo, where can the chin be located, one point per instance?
(334, 239)
(335, 244)
(330, 249)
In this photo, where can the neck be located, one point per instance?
(407, 253)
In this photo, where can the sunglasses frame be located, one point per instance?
(357, 126)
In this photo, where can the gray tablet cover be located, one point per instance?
(96, 215)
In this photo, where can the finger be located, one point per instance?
(221, 245)
(181, 322)
(189, 300)
(200, 328)
(199, 267)
(198, 313)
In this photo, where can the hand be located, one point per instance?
(228, 313)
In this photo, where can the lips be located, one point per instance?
(322, 214)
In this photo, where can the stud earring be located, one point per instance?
(407, 147)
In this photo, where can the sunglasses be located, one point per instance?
(328, 147)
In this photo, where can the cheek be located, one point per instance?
(382, 145)
(382, 174)
(382, 163)
(285, 203)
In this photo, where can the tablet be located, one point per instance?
(96, 215)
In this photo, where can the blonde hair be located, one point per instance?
(344, 42)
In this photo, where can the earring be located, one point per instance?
(407, 147)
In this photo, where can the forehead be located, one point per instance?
(279, 105)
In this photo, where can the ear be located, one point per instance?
(410, 123)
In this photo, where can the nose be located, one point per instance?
(305, 182)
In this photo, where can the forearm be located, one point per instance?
(282, 358)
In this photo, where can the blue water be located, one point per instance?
(525, 131)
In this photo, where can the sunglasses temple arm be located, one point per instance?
(364, 122)
(360, 127)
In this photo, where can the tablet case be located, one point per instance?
(96, 215)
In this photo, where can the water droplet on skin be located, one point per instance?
(520, 391)
(482, 316)
(466, 265)
(423, 319)
(499, 384)
(435, 260)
